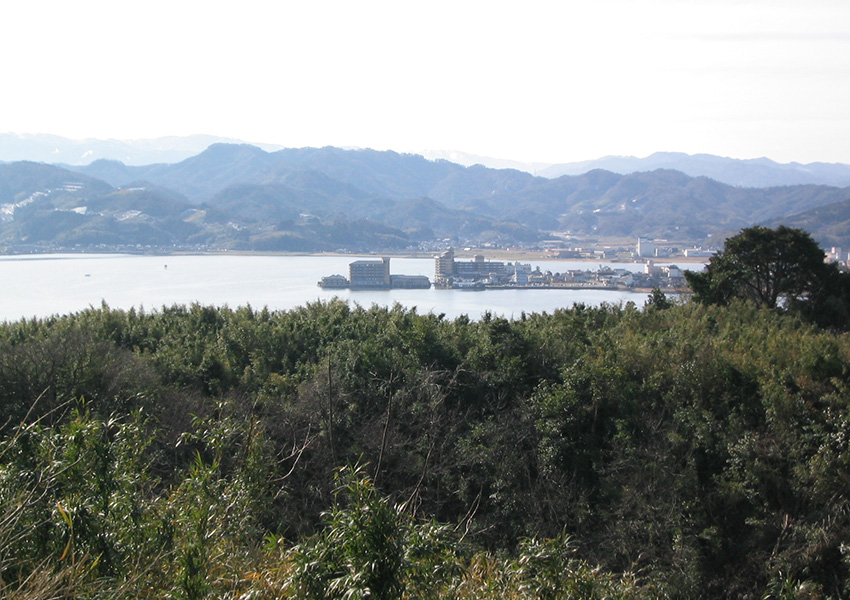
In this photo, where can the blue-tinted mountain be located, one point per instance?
(198, 178)
(233, 194)
(20, 180)
(252, 201)
(758, 172)
(661, 203)
(307, 193)
(427, 219)
(830, 222)
(378, 174)
(54, 149)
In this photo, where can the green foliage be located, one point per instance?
(548, 570)
(76, 493)
(371, 549)
(657, 300)
(695, 451)
(765, 266)
(45, 366)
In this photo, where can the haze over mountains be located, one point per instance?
(54, 149)
(759, 172)
(239, 196)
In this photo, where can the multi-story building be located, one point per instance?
(374, 274)
(645, 248)
(448, 270)
(370, 273)
(444, 267)
(478, 268)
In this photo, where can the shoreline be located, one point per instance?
(489, 254)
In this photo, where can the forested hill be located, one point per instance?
(690, 451)
(661, 203)
(242, 197)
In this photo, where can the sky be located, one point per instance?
(537, 81)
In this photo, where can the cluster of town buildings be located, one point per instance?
(451, 273)
(647, 248)
(643, 249)
(837, 255)
(668, 277)
(478, 273)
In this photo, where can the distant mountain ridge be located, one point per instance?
(54, 149)
(469, 160)
(239, 196)
(759, 172)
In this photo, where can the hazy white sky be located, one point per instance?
(549, 81)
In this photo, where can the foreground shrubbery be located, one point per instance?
(338, 452)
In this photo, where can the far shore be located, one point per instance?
(488, 253)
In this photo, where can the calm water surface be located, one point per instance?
(44, 285)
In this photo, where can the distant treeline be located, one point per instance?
(332, 451)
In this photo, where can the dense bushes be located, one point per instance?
(682, 451)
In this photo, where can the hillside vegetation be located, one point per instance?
(240, 197)
(332, 451)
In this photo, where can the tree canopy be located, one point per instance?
(334, 451)
(771, 267)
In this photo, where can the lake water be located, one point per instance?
(44, 285)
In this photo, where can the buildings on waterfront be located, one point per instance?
(370, 273)
(410, 282)
(335, 281)
(375, 275)
(479, 273)
(668, 277)
(449, 272)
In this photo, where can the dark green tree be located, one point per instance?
(766, 266)
(657, 300)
